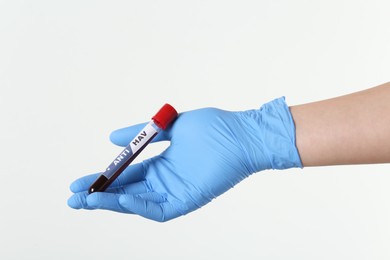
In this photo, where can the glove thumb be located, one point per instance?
(123, 136)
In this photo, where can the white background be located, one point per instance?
(73, 71)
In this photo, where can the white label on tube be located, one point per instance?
(143, 137)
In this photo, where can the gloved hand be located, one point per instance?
(211, 150)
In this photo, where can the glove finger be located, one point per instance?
(79, 201)
(152, 196)
(106, 201)
(133, 188)
(123, 136)
(151, 210)
(83, 183)
(133, 173)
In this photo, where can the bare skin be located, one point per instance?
(351, 129)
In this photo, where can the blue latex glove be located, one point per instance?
(211, 150)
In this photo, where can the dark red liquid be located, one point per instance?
(98, 184)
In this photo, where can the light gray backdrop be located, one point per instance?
(73, 71)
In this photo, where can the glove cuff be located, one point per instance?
(278, 135)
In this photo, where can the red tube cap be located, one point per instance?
(165, 116)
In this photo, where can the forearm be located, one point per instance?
(351, 129)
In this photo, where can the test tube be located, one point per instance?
(163, 118)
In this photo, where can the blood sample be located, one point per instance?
(159, 122)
